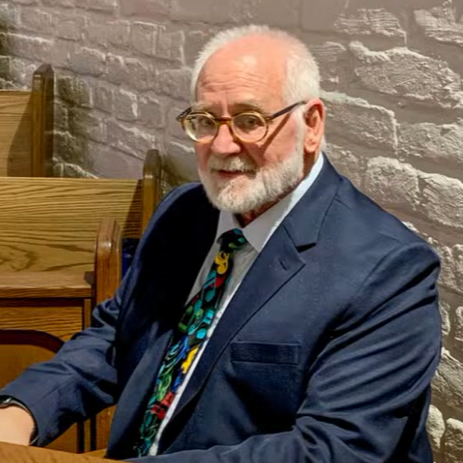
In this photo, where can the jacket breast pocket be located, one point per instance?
(268, 379)
(286, 354)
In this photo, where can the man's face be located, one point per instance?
(243, 177)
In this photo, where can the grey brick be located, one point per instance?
(68, 26)
(194, 41)
(347, 162)
(98, 5)
(151, 111)
(208, 11)
(88, 61)
(448, 382)
(435, 427)
(9, 14)
(36, 20)
(332, 59)
(171, 45)
(443, 200)
(125, 105)
(404, 73)
(317, 16)
(143, 38)
(371, 22)
(278, 14)
(438, 144)
(130, 71)
(129, 139)
(57, 3)
(393, 184)
(112, 163)
(441, 24)
(361, 122)
(453, 441)
(33, 48)
(106, 33)
(145, 9)
(103, 97)
(175, 83)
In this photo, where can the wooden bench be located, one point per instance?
(60, 254)
(26, 127)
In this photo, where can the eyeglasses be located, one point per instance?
(249, 126)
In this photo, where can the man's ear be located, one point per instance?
(314, 119)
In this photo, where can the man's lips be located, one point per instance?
(232, 173)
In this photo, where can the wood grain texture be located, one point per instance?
(108, 262)
(15, 133)
(152, 171)
(45, 285)
(51, 224)
(10, 453)
(62, 321)
(43, 81)
(26, 127)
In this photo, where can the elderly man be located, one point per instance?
(272, 314)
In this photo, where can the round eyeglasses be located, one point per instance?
(248, 126)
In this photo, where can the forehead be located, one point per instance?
(243, 71)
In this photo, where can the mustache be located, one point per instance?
(232, 164)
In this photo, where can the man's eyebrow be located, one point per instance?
(200, 106)
(245, 105)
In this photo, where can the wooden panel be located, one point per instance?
(10, 453)
(51, 223)
(45, 285)
(62, 321)
(15, 133)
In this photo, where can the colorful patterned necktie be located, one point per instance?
(187, 339)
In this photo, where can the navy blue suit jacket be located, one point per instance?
(324, 355)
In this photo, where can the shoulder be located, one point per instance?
(367, 220)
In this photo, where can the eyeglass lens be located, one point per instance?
(246, 126)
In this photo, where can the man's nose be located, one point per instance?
(224, 142)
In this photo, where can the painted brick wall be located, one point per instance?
(391, 70)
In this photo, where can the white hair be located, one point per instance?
(302, 80)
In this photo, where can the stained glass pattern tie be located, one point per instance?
(187, 339)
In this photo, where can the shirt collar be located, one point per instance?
(259, 231)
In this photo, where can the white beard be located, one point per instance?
(256, 187)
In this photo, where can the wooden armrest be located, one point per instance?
(108, 259)
(97, 453)
(151, 186)
(44, 284)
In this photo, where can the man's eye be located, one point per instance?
(247, 122)
(202, 122)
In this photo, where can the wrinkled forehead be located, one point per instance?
(253, 67)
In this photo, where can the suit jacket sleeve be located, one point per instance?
(78, 382)
(369, 386)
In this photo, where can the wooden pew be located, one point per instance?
(53, 269)
(26, 127)
(10, 453)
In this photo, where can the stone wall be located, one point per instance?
(392, 79)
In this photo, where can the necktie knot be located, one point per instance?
(232, 240)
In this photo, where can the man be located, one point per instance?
(287, 319)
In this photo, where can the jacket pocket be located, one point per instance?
(283, 354)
